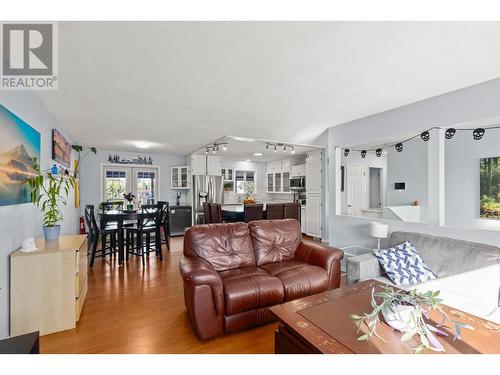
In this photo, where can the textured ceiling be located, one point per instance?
(182, 85)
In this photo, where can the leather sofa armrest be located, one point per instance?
(198, 272)
(323, 256)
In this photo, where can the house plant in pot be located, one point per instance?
(408, 311)
(49, 191)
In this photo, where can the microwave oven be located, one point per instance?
(298, 183)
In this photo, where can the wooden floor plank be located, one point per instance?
(132, 309)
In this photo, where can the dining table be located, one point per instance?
(119, 217)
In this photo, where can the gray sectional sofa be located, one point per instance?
(468, 273)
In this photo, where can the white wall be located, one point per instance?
(471, 104)
(90, 188)
(410, 167)
(462, 178)
(20, 221)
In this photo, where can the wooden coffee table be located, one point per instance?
(321, 324)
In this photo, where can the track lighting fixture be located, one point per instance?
(284, 149)
(293, 150)
(275, 149)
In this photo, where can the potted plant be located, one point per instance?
(408, 311)
(129, 197)
(49, 190)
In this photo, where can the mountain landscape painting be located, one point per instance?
(19, 146)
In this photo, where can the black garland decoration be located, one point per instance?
(477, 134)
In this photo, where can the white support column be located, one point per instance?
(436, 178)
(334, 202)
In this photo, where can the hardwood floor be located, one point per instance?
(132, 309)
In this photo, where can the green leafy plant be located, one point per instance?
(49, 191)
(79, 149)
(419, 323)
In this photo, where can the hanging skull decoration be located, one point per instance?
(425, 136)
(363, 154)
(449, 133)
(346, 152)
(378, 152)
(399, 147)
(478, 133)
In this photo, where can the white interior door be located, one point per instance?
(357, 189)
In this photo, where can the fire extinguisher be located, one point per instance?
(82, 225)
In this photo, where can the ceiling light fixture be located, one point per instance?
(293, 150)
(258, 154)
(284, 149)
(275, 149)
(142, 144)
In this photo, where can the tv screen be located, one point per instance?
(490, 188)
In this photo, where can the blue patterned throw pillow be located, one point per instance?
(403, 265)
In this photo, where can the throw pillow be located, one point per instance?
(403, 265)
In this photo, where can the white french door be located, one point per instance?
(143, 182)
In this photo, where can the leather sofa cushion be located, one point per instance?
(275, 240)
(299, 279)
(225, 246)
(250, 288)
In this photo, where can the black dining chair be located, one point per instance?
(215, 213)
(253, 212)
(148, 224)
(274, 211)
(165, 222)
(102, 231)
(291, 211)
(206, 213)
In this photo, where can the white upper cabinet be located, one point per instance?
(298, 170)
(314, 172)
(214, 165)
(206, 165)
(179, 177)
(198, 164)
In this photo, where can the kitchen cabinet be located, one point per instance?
(286, 182)
(314, 193)
(179, 177)
(278, 176)
(270, 182)
(205, 165)
(314, 172)
(314, 216)
(214, 165)
(277, 182)
(298, 170)
(227, 174)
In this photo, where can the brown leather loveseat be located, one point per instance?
(233, 272)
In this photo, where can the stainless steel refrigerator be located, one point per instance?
(206, 189)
